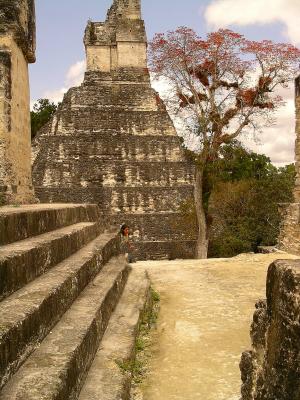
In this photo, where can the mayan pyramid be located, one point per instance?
(112, 142)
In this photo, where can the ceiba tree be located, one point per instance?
(221, 87)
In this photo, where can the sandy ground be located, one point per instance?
(203, 325)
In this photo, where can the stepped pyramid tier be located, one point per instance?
(289, 238)
(112, 142)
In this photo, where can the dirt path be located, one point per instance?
(203, 326)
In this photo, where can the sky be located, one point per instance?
(60, 52)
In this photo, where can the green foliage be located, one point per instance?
(154, 295)
(43, 109)
(242, 190)
(235, 163)
(140, 344)
(245, 192)
(132, 367)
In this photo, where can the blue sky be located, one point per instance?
(61, 23)
(60, 50)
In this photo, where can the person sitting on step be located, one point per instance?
(126, 245)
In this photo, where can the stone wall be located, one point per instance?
(297, 144)
(120, 41)
(17, 48)
(271, 370)
(112, 142)
(289, 237)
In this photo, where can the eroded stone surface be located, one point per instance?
(49, 253)
(19, 223)
(289, 238)
(17, 48)
(272, 371)
(106, 380)
(112, 142)
(56, 370)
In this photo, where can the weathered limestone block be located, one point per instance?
(112, 142)
(119, 42)
(17, 49)
(289, 238)
(297, 144)
(17, 18)
(252, 361)
(271, 371)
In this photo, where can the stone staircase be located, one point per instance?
(65, 289)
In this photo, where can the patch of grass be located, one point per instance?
(137, 367)
(133, 367)
(140, 344)
(154, 295)
(150, 315)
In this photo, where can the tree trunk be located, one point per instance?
(202, 240)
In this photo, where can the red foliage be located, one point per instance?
(228, 85)
(187, 100)
(202, 76)
(229, 114)
(250, 98)
(268, 104)
(220, 70)
(183, 100)
(246, 97)
(158, 99)
(264, 83)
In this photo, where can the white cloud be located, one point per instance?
(75, 74)
(222, 13)
(74, 77)
(55, 95)
(278, 141)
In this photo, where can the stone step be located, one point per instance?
(28, 315)
(128, 121)
(118, 173)
(164, 250)
(114, 96)
(121, 199)
(107, 145)
(18, 223)
(105, 380)
(157, 226)
(23, 261)
(57, 368)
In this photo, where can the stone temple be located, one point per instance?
(112, 142)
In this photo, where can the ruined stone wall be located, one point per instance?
(297, 144)
(112, 142)
(289, 237)
(17, 47)
(120, 41)
(271, 370)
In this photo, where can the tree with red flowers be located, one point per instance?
(221, 87)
